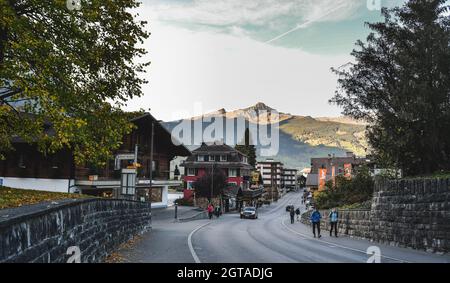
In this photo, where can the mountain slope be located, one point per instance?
(301, 137)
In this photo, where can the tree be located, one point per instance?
(357, 191)
(203, 185)
(70, 70)
(248, 148)
(400, 84)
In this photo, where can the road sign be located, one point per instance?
(120, 157)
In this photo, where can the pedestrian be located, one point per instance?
(315, 220)
(334, 217)
(292, 213)
(217, 211)
(210, 210)
(297, 212)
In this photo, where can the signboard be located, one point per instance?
(322, 178)
(255, 177)
(120, 157)
(348, 170)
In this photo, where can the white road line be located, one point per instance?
(191, 247)
(336, 245)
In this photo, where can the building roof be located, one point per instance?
(216, 149)
(328, 162)
(233, 160)
(178, 149)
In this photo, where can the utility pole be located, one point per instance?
(212, 181)
(151, 170)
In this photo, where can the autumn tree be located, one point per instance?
(400, 84)
(211, 184)
(69, 70)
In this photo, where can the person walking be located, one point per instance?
(315, 220)
(297, 212)
(210, 210)
(292, 213)
(334, 217)
(217, 211)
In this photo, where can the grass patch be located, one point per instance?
(10, 197)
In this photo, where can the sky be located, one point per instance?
(211, 54)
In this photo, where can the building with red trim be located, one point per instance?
(232, 162)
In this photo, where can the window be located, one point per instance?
(245, 160)
(223, 158)
(201, 158)
(232, 172)
(21, 163)
(190, 185)
(191, 172)
(232, 184)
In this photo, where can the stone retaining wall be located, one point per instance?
(44, 232)
(409, 213)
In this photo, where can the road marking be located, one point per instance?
(336, 245)
(191, 247)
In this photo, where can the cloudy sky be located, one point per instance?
(234, 53)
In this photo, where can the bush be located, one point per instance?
(354, 193)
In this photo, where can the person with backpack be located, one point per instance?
(315, 220)
(334, 218)
(297, 212)
(292, 213)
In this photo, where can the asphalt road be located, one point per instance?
(269, 239)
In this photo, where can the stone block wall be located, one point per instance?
(411, 213)
(44, 232)
(355, 223)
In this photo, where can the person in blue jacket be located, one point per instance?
(315, 220)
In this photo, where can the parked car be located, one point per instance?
(289, 207)
(249, 212)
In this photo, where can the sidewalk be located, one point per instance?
(388, 253)
(168, 214)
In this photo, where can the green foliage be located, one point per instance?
(347, 193)
(400, 84)
(203, 185)
(72, 69)
(348, 136)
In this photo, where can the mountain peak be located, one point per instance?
(221, 111)
(260, 106)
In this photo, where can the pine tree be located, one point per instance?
(248, 148)
(400, 84)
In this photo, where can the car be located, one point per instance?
(249, 212)
(289, 207)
